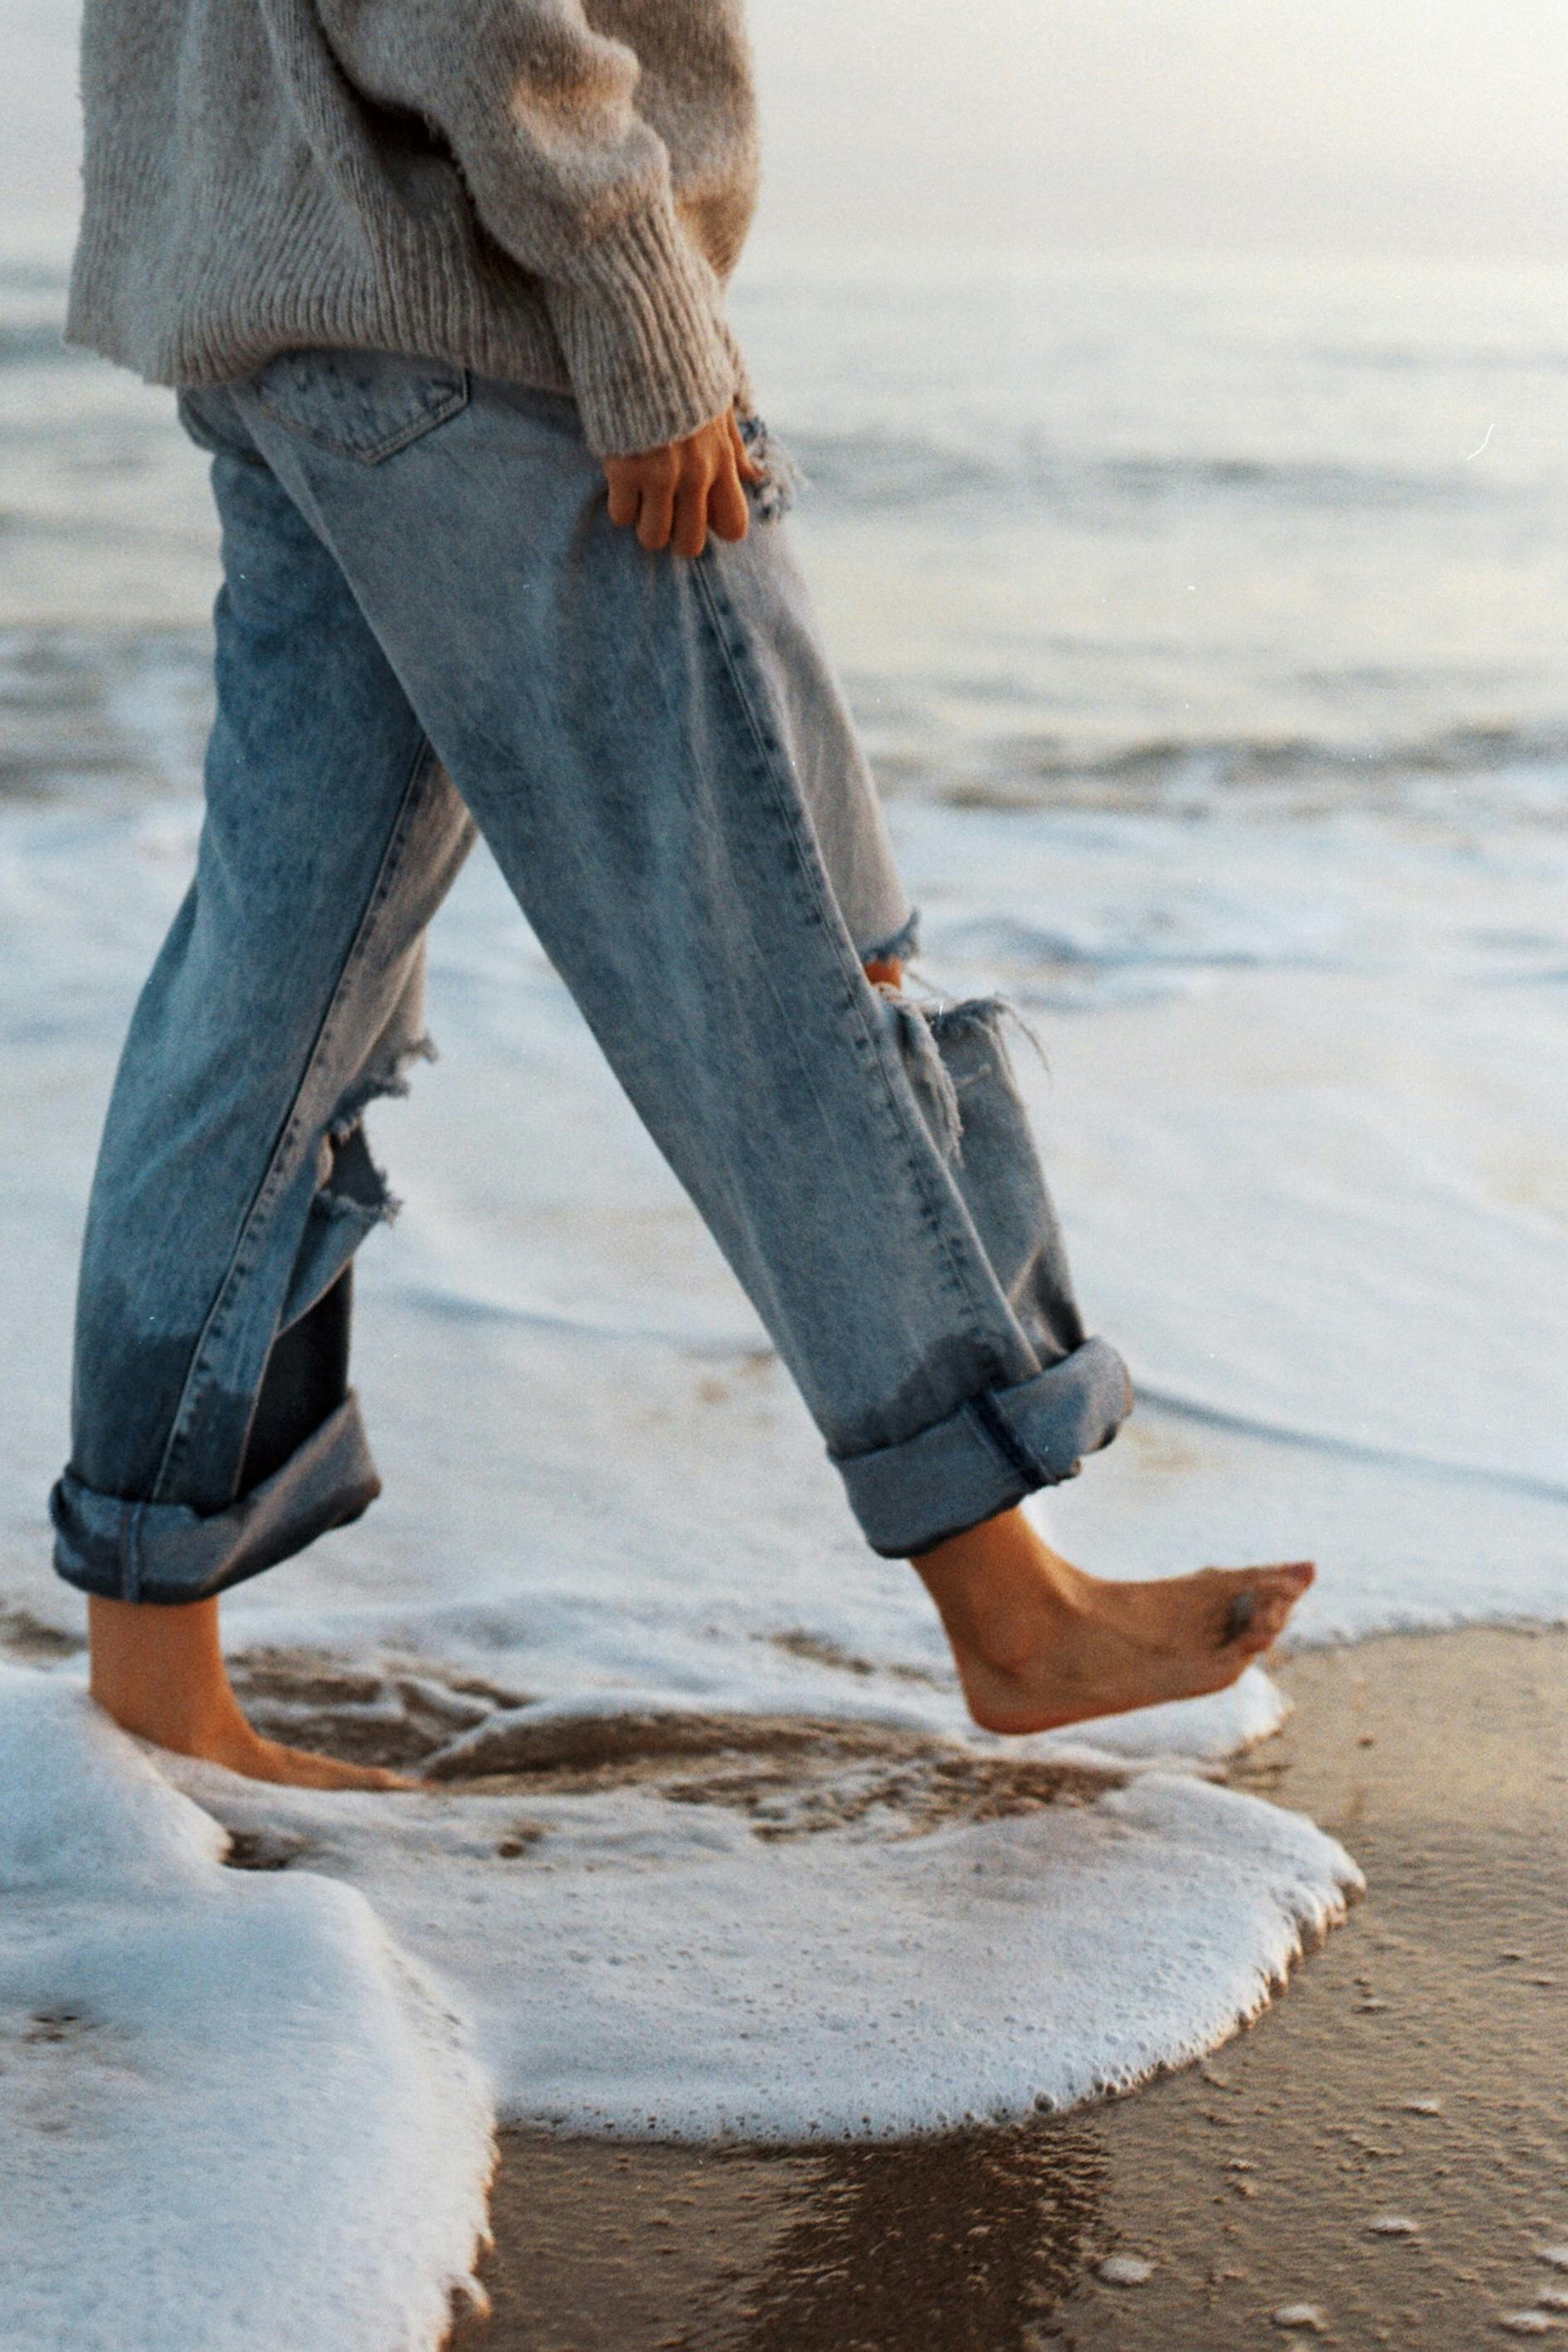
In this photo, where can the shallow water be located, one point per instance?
(1081, 528)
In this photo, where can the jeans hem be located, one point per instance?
(167, 1553)
(989, 1453)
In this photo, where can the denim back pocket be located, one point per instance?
(364, 404)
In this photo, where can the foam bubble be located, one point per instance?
(1125, 2270)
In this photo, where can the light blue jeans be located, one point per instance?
(429, 623)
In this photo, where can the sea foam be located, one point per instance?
(236, 2113)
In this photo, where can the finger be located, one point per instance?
(656, 518)
(694, 511)
(728, 517)
(745, 464)
(626, 497)
(691, 515)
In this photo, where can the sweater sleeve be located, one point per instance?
(539, 112)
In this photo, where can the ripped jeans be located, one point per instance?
(427, 624)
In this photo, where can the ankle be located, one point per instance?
(188, 1722)
(1000, 1590)
(159, 1672)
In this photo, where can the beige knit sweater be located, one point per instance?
(551, 191)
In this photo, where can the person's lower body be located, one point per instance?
(429, 625)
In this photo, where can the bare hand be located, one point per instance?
(677, 494)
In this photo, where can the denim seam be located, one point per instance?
(989, 1416)
(808, 875)
(198, 1379)
(129, 1550)
(720, 611)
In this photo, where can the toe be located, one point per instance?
(370, 1776)
(307, 1769)
(1274, 1597)
(1258, 1602)
(1286, 1585)
(1240, 1617)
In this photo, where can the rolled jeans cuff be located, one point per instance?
(987, 1455)
(126, 1550)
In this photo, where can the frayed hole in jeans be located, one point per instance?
(771, 499)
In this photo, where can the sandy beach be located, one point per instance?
(1417, 2072)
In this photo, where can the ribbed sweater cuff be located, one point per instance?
(640, 324)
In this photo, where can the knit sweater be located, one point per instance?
(550, 191)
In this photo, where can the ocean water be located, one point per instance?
(1138, 534)
(1203, 621)
(1098, 530)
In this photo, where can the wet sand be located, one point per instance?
(1416, 2072)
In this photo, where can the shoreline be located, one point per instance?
(1414, 2071)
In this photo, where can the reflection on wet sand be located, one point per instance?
(968, 2243)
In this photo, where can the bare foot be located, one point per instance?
(159, 1672)
(1038, 1644)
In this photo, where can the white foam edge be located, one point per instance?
(649, 1969)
